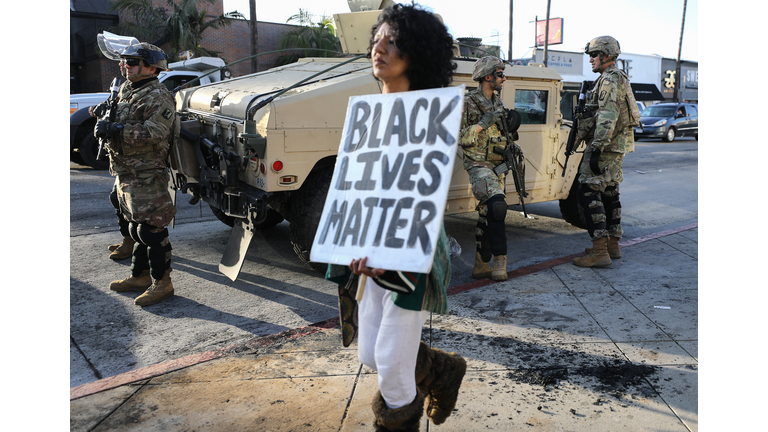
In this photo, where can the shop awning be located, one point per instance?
(646, 92)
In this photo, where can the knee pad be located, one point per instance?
(151, 235)
(497, 208)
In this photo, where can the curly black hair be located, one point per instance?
(420, 34)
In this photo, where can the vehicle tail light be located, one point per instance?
(287, 180)
(277, 166)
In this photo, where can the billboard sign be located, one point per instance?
(555, 31)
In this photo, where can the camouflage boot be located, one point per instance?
(403, 419)
(597, 257)
(122, 250)
(160, 290)
(482, 270)
(438, 376)
(133, 283)
(613, 248)
(499, 268)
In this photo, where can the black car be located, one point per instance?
(669, 120)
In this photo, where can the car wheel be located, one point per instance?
(670, 135)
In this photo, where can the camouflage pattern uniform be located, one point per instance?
(138, 155)
(479, 160)
(609, 136)
(138, 158)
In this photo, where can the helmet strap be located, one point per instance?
(493, 83)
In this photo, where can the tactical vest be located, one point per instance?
(482, 151)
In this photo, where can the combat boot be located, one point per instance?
(122, 250)
(499, 268)
(133, 283)
(597, 257)
(482, 269)
(613, 248)
(160, 290)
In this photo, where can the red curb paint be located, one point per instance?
(194, 359)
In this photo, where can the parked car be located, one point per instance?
(668, 121)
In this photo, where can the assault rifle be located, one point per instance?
(110, 113)
(578, 110)
(514, 159)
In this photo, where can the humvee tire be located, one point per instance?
(307, 207)
(570, 208)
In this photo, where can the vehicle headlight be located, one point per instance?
(661, 122)
(72, 108)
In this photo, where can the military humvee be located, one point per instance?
(262, 148)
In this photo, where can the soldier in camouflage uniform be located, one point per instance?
(124, 249)
(607, 129)
(480, 132)
(138, 144)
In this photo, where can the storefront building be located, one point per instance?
(688, 81)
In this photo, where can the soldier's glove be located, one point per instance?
(490, 118)
(107, 129)
(98, 110)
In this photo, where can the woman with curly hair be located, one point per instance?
(410, 49)
(423, 40)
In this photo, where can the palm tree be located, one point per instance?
(181, 25)
(313, 39)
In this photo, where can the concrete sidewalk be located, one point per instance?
(555, 347)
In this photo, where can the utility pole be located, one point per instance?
(678, 78)
(546, 36)
(509, 51)
(254, 38)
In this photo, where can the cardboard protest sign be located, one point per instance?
(389, 188)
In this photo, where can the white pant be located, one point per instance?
(388, 342)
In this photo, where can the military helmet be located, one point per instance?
(486, 66)
(153, 55)
(604, 44)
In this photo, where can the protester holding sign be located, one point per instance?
(481, 131)
(411, 50)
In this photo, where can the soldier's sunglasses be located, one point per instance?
(133, 61)
(500, 74)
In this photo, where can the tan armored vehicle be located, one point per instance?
(262, 148)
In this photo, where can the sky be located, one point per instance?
(641, 26)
